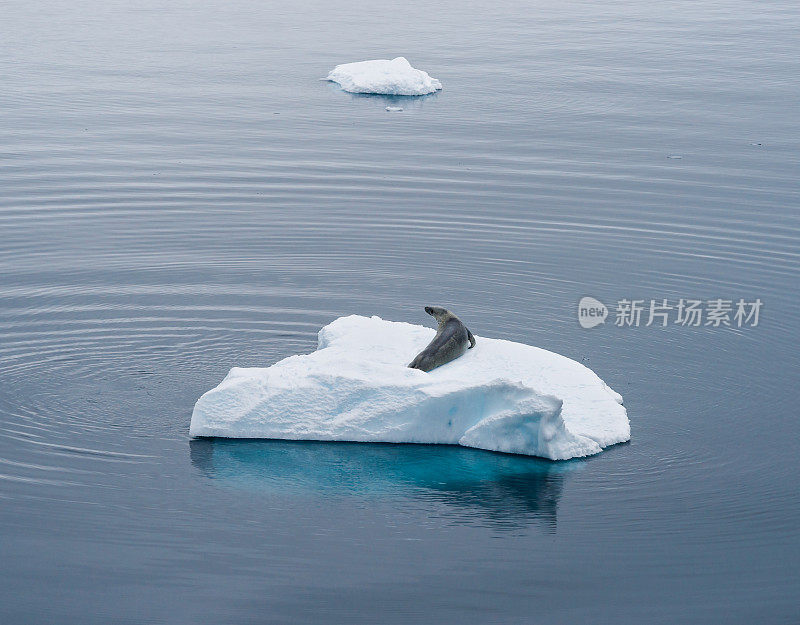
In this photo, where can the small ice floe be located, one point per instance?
(395, 77)
(356, 386)
(756, 144)
(394, 109)
(676, 157)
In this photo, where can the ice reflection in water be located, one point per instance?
(473, 485)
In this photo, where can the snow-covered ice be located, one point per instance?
(395, 77)
(500, 395)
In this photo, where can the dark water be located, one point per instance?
(180, 194)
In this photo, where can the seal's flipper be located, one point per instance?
(422, 363)
(471, 339)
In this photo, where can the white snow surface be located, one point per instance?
(500, 395)
(395, 77)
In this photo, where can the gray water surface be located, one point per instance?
(180, 193)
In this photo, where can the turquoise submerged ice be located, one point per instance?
(395, 77)
(500, 395)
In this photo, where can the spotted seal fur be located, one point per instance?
(452, 339)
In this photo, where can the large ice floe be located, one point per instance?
(395, 77)
(500, 395)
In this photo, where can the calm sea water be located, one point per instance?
(179, 194)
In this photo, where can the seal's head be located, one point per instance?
(440, 314)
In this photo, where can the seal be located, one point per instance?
(449, 343)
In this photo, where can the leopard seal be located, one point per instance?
(450, 342)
